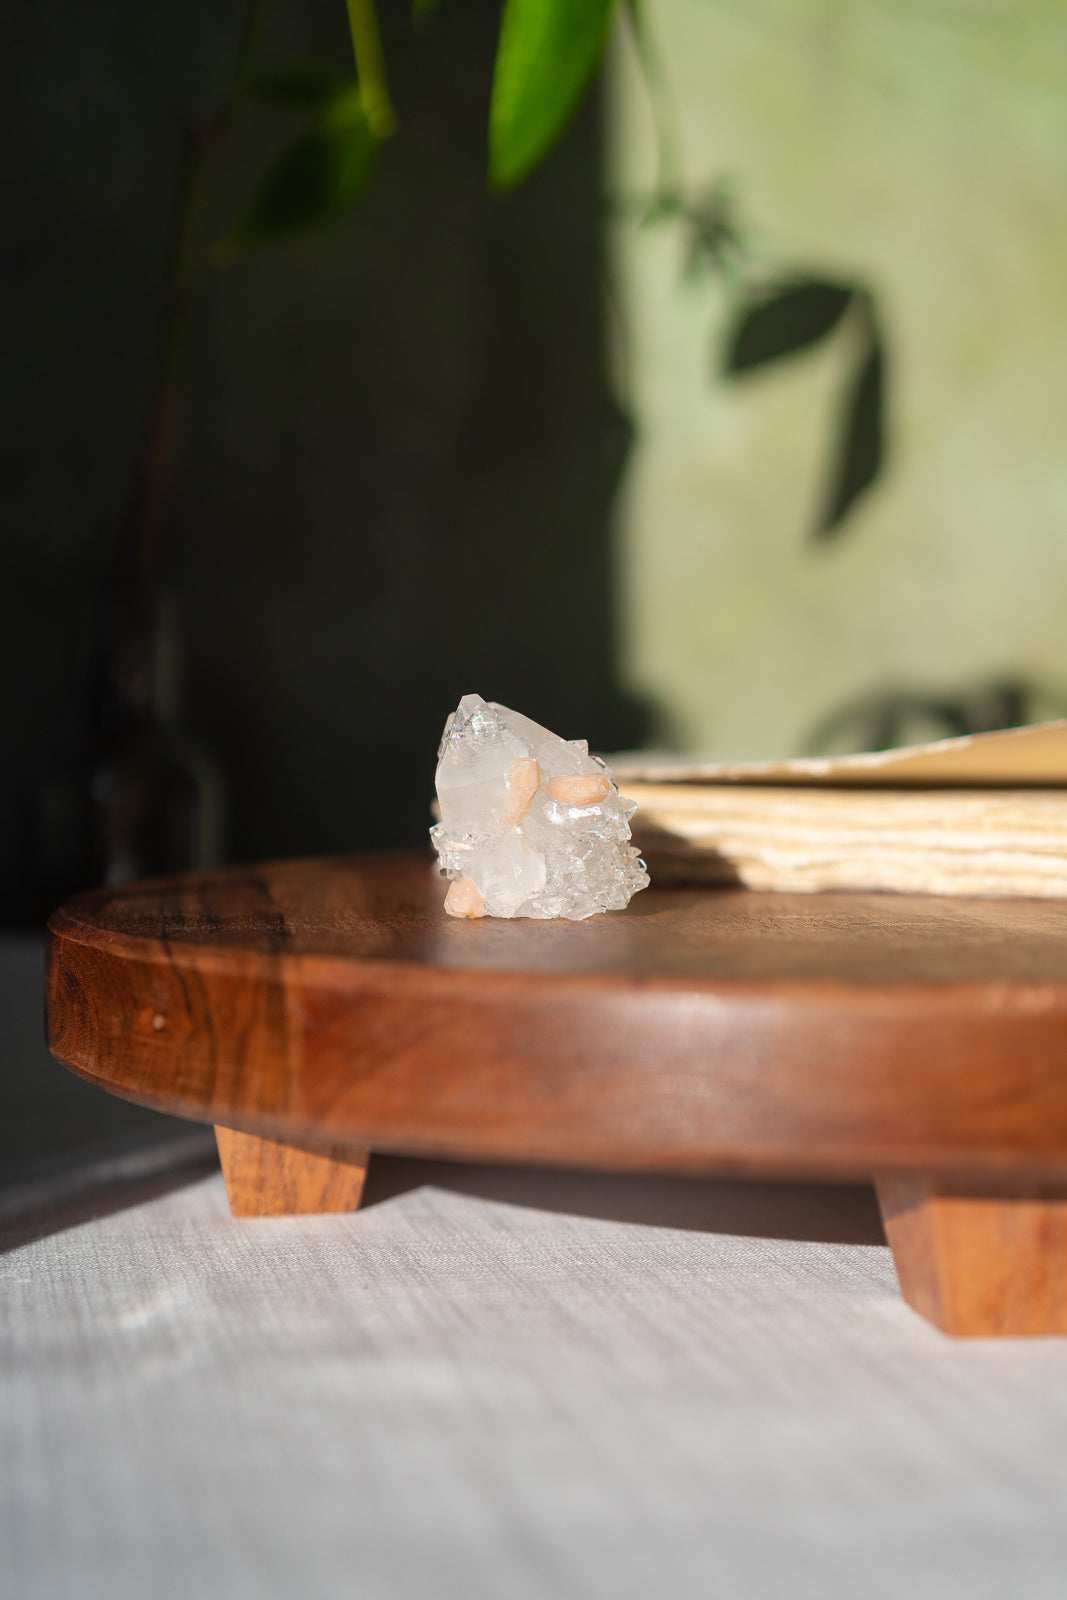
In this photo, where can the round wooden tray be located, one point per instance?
(316, 1010)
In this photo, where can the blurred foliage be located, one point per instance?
(860, 440)
(319, 176)
(783, 315)
(789, 318)
(547, 55)
(887, 719)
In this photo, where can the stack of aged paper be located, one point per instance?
(982, 815)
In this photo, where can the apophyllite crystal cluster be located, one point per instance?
(531, 825)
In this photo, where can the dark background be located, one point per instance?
(399, 449)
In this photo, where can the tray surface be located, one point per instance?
(388, 908)
(700, 1030)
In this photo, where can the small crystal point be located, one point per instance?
(531, 825)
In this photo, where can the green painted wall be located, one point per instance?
(920, 149)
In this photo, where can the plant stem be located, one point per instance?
(661, 102)
(370, 67)
(137, 562)
(138, 554)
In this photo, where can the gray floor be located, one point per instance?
(489, 1384)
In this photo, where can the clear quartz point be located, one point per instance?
(531, 825)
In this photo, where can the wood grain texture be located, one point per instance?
(333, 1002)
(985, 1262)
(265, 1178)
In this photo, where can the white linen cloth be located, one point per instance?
(511, 1389)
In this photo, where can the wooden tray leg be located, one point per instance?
(979, 1260)
(267, 1179)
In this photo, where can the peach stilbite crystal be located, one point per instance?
(522, 781)
(531, 825)
(463, 899)
(584, 790)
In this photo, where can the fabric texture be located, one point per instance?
(493, 1384)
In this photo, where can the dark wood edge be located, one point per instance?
(991, 1170)
(389, 975)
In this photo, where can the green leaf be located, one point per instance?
(547, 53)
(860, 448)
(314, 182)
(791, 318)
